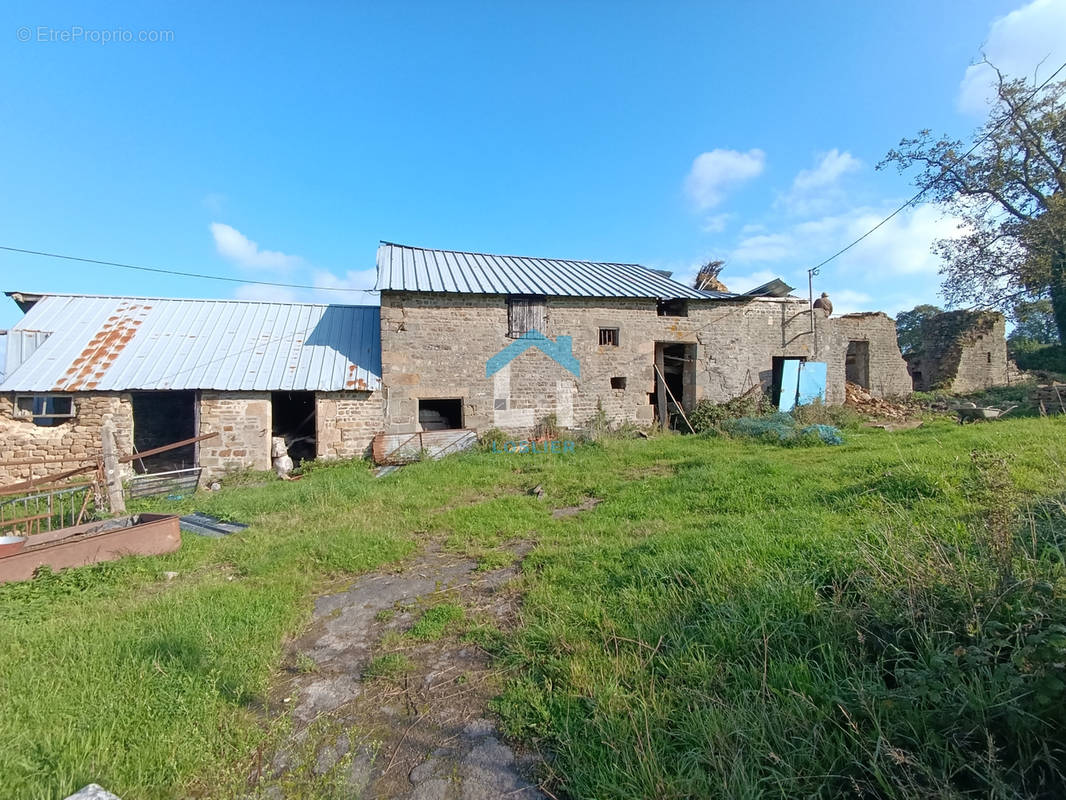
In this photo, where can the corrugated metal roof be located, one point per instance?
(120, 343)
(416, 269)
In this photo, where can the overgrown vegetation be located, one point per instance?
(881, 618)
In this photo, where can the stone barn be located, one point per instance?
(621, 339)
(962, 351)
(164, 370)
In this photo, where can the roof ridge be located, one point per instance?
(511, 255)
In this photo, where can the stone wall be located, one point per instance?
(21, 439)
(243, 421)
(962, 351)
(345, 423)
(437, 346)
(886, 370)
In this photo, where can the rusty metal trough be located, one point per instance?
(106, 540)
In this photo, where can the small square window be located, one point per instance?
(499, 404)
(608, 337)
(45, 409)
(618, 383)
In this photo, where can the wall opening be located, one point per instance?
(292, 417)
(676, 363)
(440, 414)
(672, 308)
(608, 337)
(162, 418)
(526, 313)
(776, 369)
(857, 363)
(618, 382)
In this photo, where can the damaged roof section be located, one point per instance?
(417, 269)
(89, 343)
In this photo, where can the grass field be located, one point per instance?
(736, 618)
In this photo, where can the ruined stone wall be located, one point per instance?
(437, 345)
(20, 438)
(887, 373)
(345, 423)
(962, 351)
(243, 422)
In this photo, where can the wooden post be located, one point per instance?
(112, 477)
(660, 387)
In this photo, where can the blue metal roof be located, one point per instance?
(121, 343)
(416, 269)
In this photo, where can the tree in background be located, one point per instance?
(1010, 193)
(909, 326)
(1034, 323)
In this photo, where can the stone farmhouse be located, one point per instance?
(461, 340)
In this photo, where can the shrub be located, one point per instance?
(707, 415)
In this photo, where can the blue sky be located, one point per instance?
(282, 142)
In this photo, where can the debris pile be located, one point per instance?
(861, 400)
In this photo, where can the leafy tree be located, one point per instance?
(1009, 191)
(909, 326)
(1034, 322)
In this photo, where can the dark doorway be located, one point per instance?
(857, 364)
(677, 365)
(440, 414)
(292, 417)
(162, 418)
(778, 366)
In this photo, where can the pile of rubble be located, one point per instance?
(862, 401)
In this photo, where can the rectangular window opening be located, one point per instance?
(440, 414)
(988, 356)
(159, 419)
(526, 313)
(673, 308)
(618, 383)
(608, 337)
(45, 409)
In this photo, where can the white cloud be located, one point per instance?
(744, 283)
(272, 294)
(352, 279)
(1016, 44)
(716, 223)
(714, 172)
(848, 301)
(814, 190)
(238, 248)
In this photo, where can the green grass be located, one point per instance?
(734, 619)
(389, 666)
(435, 621)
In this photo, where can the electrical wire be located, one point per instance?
(162, 271)
(814, 270)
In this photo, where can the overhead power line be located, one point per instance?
(917, 196)
(162, 271)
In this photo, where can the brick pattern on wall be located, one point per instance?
(345, 423)
(20, 438)
(243, 421)
(436, 345)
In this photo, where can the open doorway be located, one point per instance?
(675, 390)
(776, 373)
(857, 363)
(162, 418)
(440, 414)
(293, 419)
